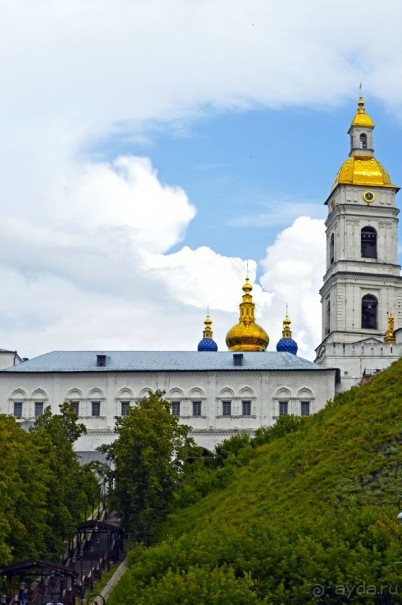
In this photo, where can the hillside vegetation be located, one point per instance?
(309, 517)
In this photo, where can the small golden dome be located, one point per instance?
(362, 118)
(390, 333)
(247, 335)
(363, 170)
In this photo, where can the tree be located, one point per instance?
(69, 486)
(23, 492)
(148, 455)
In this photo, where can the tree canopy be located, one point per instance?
(148, 456)
(43, 488)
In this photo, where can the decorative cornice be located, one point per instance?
(351, 277)
(349, 210)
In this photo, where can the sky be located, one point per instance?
(150, 151)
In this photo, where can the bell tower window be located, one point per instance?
(369, 242)
(369, 312)
(363, 141)
(328, 317)
(332, 249)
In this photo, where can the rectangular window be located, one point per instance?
(95, 408)
(226, 408)
(175, 408)
(196, 408)
(38, 409)
(305, 408)
(76, 407)
(18, 409)
(283, 408)
(246, 408)
(125, 405)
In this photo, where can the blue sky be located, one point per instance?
(150, 149)
(249, 173)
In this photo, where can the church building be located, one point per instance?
(223, 393)
(362, 293)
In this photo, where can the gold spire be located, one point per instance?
(247, 335)
(207, 333)
(389, 335)
(362, 118)
(286, 332)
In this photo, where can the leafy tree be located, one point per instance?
(148, 455)
(68, 484)
(23, 492)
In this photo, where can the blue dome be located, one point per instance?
(207, 344)
(287, 345)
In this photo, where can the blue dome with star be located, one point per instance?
(207, 343)
(286, 343)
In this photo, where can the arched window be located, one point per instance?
(369, 242)
(328, 317)
(369, 312)
(363, 141)
(332, 249)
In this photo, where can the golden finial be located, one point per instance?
(286, 332)
(389, 335)
(362, 118)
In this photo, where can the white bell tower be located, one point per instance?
(362, 292)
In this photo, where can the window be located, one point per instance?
(283, 408)
(328, 317)
(196, 408)
(305, 408)
(369, 242)
(76, 407)
(18, 409)
(176, 408)
(332, 249)
(363, 141)
(246, 408)
(95, 408)
(38, 409)
(125, 405)
(369, 312)
(226, 408)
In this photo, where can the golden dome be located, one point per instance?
(362, 170)
(362, 118)
(247, 335)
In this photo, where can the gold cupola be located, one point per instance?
(247, 335)
(389, 335)
(361, 167)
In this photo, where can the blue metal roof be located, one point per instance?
(153, 361)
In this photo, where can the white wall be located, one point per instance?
(263, 388)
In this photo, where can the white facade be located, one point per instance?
(215, 403)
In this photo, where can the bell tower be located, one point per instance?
(362, 284)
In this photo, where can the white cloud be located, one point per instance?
(128, 194)
(84, 245)
(294, 267)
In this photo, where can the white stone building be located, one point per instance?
(218, 393)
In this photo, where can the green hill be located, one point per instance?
(309, 518)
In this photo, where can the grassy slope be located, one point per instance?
(317, 506)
